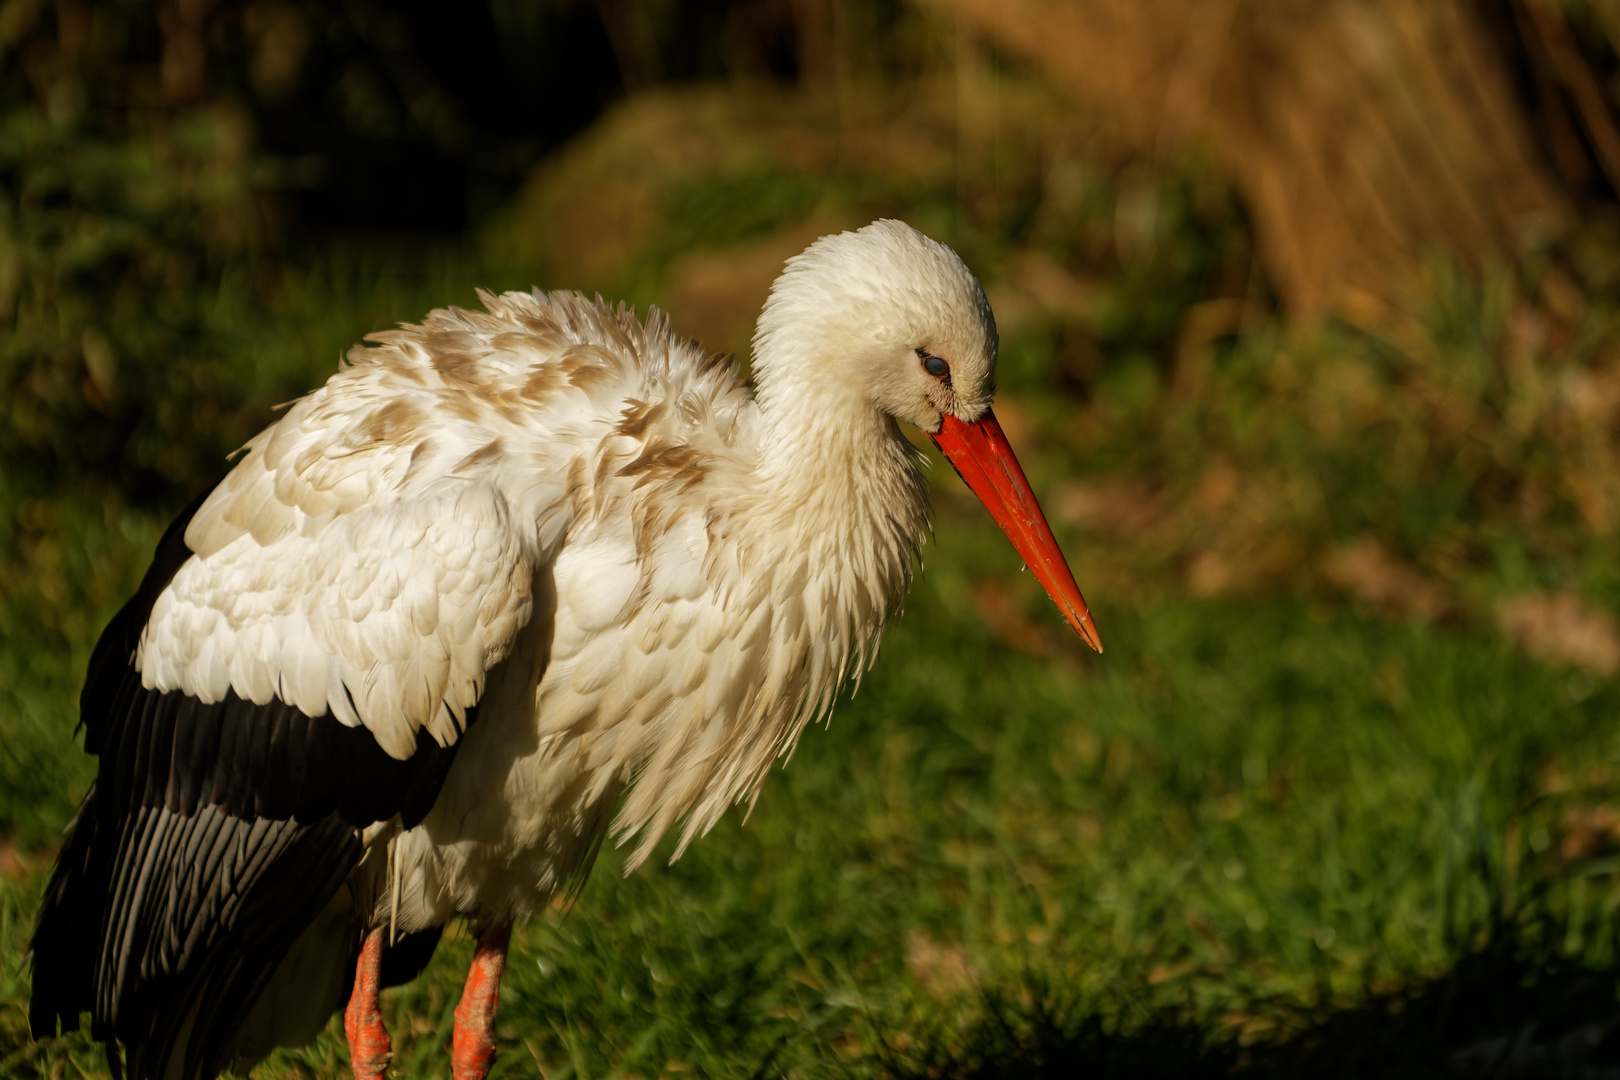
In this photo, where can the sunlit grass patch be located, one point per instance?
(1242, 821)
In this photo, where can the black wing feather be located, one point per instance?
(213, 835)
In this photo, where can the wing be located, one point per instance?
(368, 580)
(310, 642)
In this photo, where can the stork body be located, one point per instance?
(511, 581)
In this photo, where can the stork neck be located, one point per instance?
(839, 487)
(820, 433)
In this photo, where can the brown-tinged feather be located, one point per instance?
(398, 338)
(578, 491)
(665, 461)
(511, 341)
(539, 322)
(420, 456)
(543, 382)
(586, 366)
(459, 405)
(307, 457)
(484, 454)
(454, 366)
(398, 364)
(638, 416)
(621, 338)
(715, 361)
(392, 424)
(604, 470)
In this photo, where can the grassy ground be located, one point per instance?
(1241, 823)
(1255, 832)
(1315, 813)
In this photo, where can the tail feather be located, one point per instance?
(67, 933)
(170, 953)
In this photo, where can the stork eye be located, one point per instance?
(936, 367)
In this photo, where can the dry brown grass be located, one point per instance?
(1363, 135)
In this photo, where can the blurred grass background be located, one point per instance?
(1309, 346)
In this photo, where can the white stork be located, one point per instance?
(509, 582)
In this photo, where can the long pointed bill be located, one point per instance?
(983, 459)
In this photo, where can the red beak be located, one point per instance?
(982, 458)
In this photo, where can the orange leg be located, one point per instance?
(369, 1048)
(474, 1047)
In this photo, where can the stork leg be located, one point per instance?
(369, 1046)
(474, 1047)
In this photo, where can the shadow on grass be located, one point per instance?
(1513, 1009)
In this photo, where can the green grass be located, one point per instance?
(1249, 825)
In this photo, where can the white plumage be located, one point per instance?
(581, 554)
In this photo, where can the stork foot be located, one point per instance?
(474, 1046)
(369, 1046)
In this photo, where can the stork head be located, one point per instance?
(885, 320)
(897, 323)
